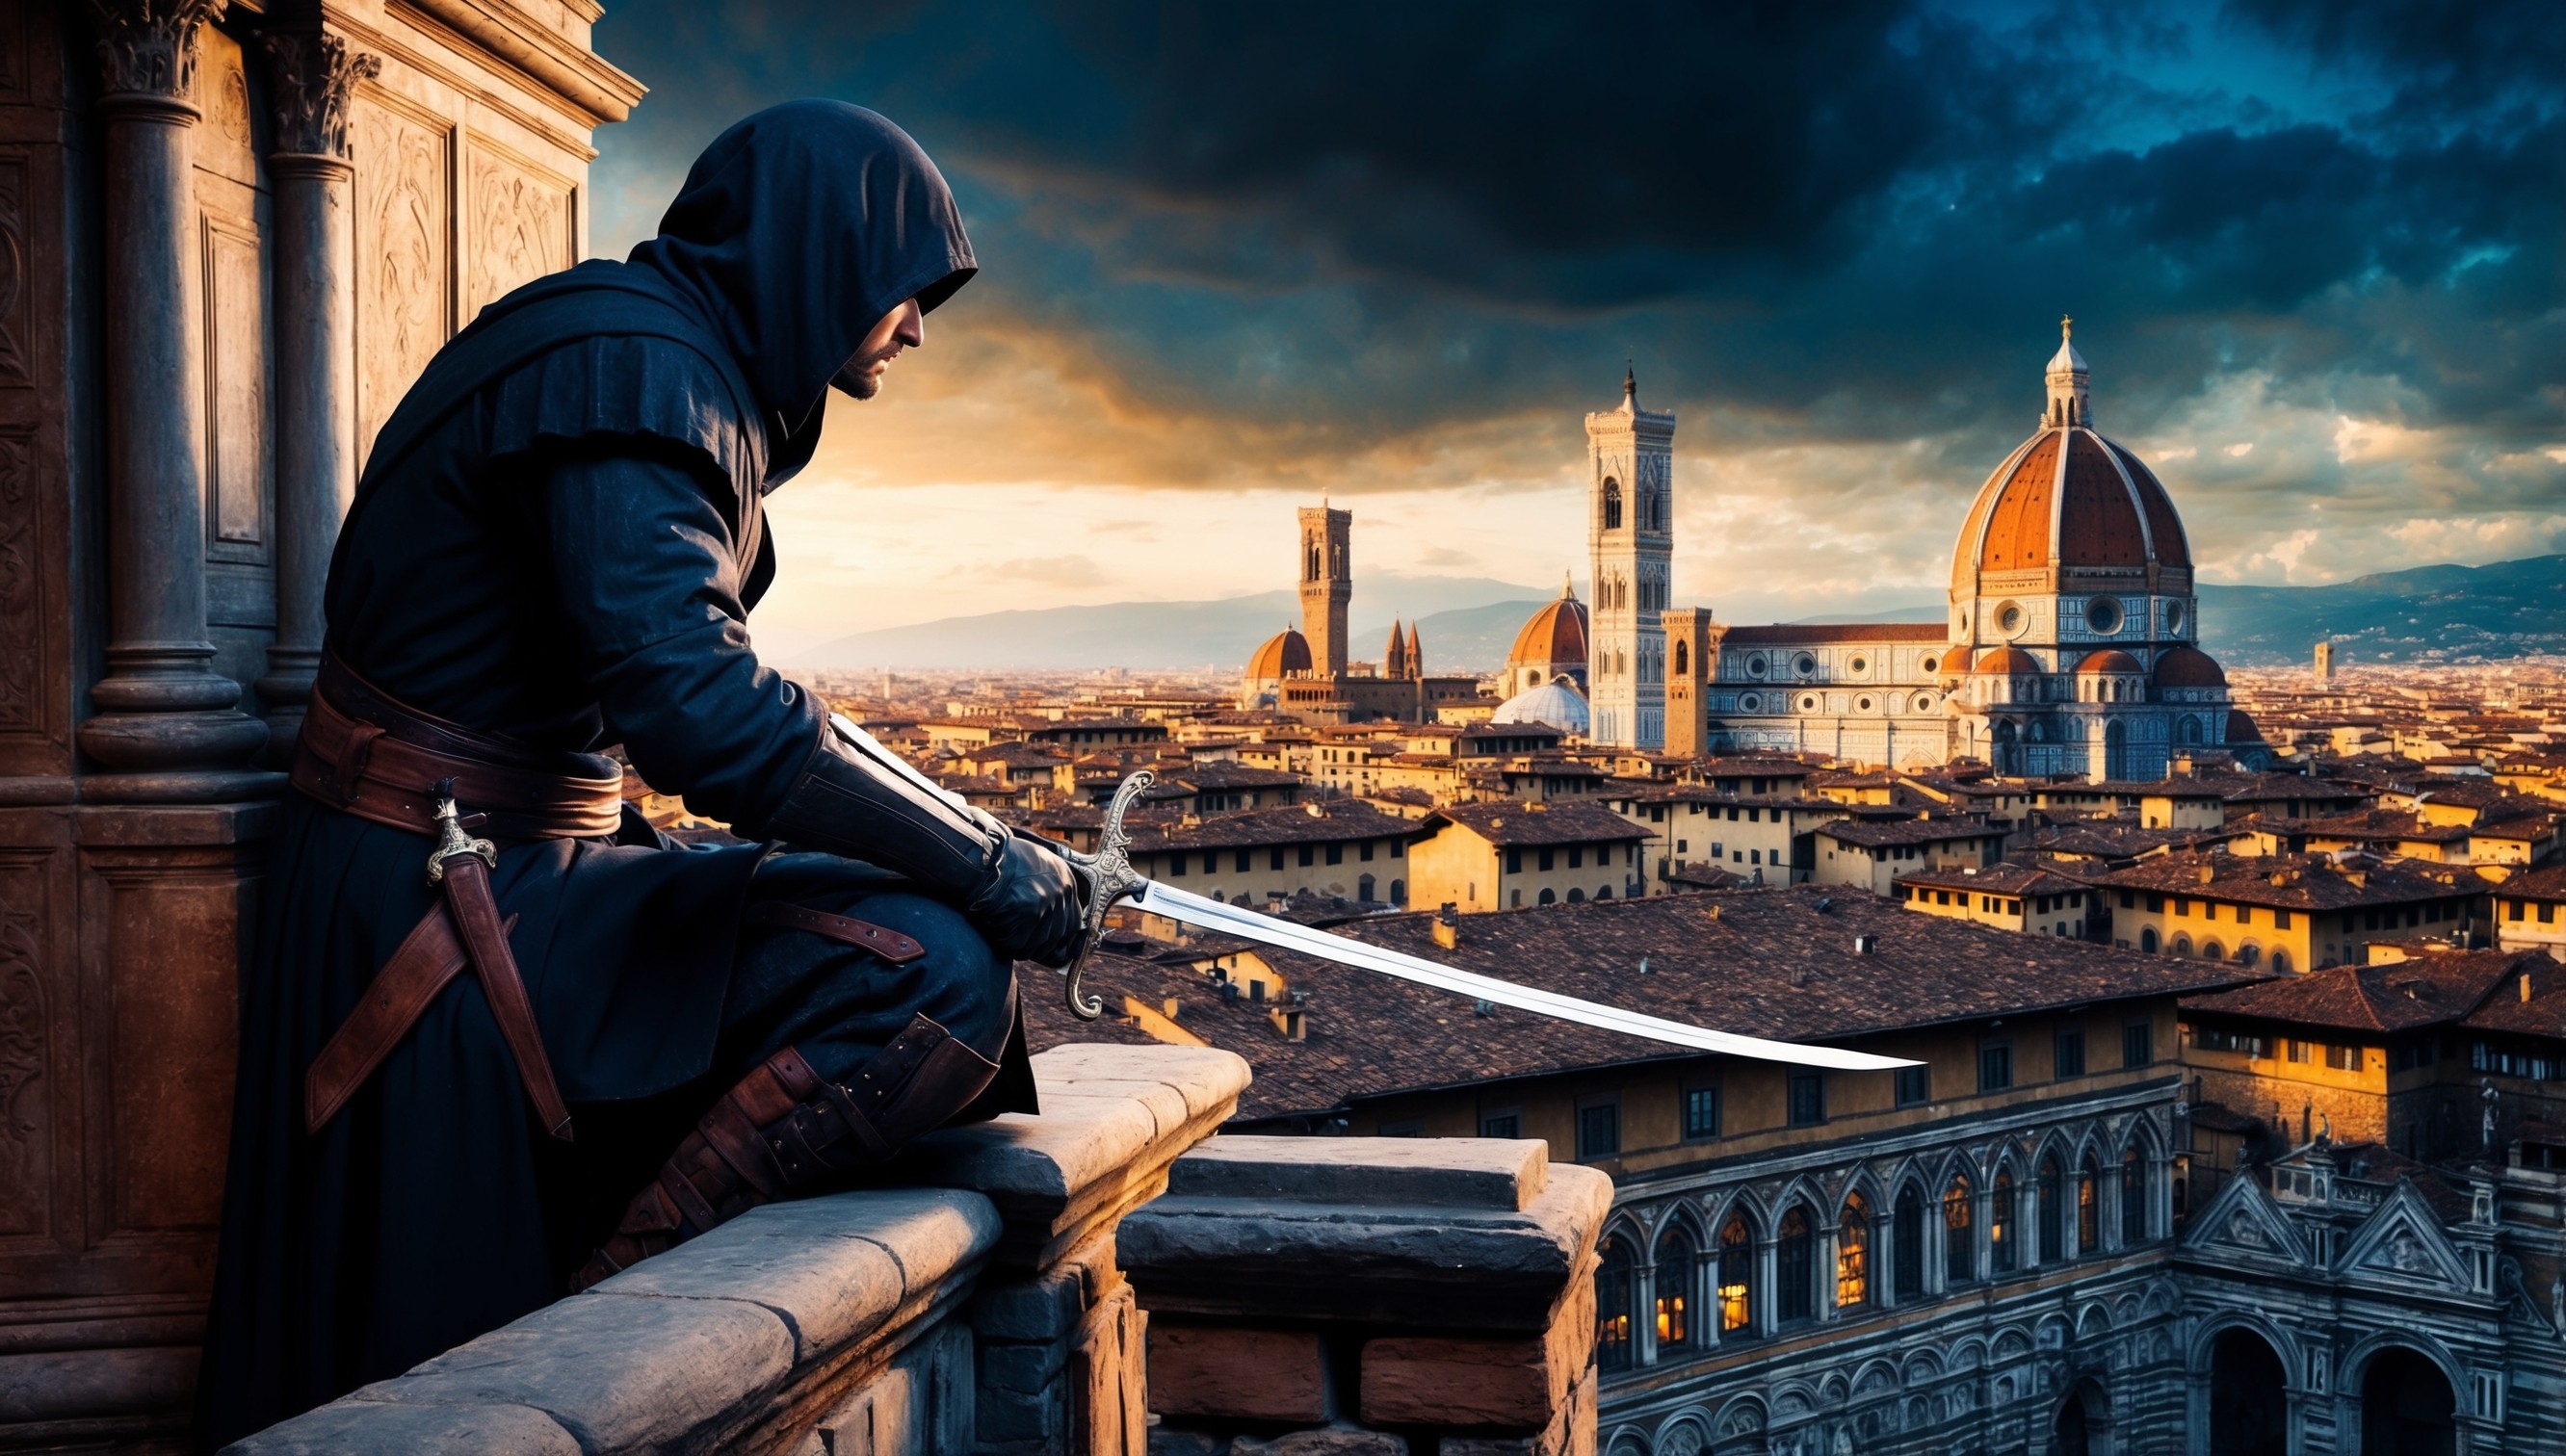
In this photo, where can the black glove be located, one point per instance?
(1029, 910)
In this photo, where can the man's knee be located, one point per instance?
(961, 983)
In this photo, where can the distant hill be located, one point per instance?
(2440, 614)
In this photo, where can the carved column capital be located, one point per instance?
(148, 48)
(316, 76)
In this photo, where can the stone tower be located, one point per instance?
(1693, 661)
(1630, 535)
(2325, 661)
(1327, 585)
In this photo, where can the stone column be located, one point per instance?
(1644, 1346)
(166, 720)
(315, 262)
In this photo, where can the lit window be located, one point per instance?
(1736, 1263)
(1853, 1254)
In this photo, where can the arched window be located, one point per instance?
(2281, 962)
(2148, 939)
(1737, 1270)
(1399, 892)
(1611, 504)
(2002, 1232)
(1906, 1244)
(2182, 946)
(1362, 887)
(2052, 1188)
(1795, 1272)
(2211, 950)
(2089, 1207)
(2134, 1198)
(1959, 1248)
(2190, 730)
(2249, 955)
(1853, 1254)
(1674, 1287)
(1576, 897)
(1549, 896)
(1683, 660)
(1612, 1307)
(1313, 573)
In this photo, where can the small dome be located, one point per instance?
(1552, 703)
(2006, 663)
(1285, 651)
(2240, 727)
(2189, 667)
(2111, 661)
(1555, 637)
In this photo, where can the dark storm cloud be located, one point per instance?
(1853, 218)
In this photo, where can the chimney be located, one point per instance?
(1168, 1008)
(1295, 1025)
(2208, 873)
(1864, 944)
(2525, 985)
(1447, 927)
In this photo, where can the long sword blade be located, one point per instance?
(1194, 909)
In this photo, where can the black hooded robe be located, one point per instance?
(557, 539)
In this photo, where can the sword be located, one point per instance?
(1107, 879)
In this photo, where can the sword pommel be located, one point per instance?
(1108, 879)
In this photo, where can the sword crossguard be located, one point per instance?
(1107, 878)
(451, 841)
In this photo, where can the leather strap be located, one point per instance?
(890, 945)
(485, 939)
(428, 958)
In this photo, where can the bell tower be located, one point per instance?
(1629, 537)
(1327, 585)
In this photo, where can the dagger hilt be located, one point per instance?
(1104, 878)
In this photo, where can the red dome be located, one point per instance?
(1555, 637)
(2006, 663)
(1285, 651)
(2240, 727)
(2068, 498)
(2189, 667)
(2111, 661)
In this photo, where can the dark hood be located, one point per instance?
(798, 229)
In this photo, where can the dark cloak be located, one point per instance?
(557, 539)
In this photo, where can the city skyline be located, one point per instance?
(2309, 253)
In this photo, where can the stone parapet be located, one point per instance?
(981, 1311)
(1312, 1295)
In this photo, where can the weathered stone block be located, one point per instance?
(415, 1430)
(1164, 1441)
(834, 1269)
(1241, 1260)
(620, 1372)
(1025, 1367)
(1237, 1373)
(1570, 1433)
(1045, 1307)
(1454, 1172)
(1325, 1441)
(921, 1405)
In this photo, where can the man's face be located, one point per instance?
(903, 327)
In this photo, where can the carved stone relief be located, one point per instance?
(225, 144)
(405, 291)
(149, 47)
(316, 78)
(521, 226)
(24, 1123)
(236, 457)
(13, 270)
(21, 630)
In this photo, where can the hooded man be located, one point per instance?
(470, 948)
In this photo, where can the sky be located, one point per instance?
(1234, 258)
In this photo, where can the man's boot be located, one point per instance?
(783, 1133)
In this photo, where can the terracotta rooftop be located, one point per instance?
(2293, 881)
(1888, 833)
(1333, 820)
(1783, 634)
(1523, 825)
(1995, 879)
(2429, 990)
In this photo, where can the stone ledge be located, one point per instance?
(1478, 1172)
(690, 1348)
(1410, 1266)
(1113, 1120)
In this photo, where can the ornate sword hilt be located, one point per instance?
(451, 841)
(1107, 879)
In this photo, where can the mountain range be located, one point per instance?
(2435, 614)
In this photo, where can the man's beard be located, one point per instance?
(857, 378)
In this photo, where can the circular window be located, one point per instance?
(1808, 702)
(2009, 618)
(2173, 616)
(1861, 666)
(1863, 705)
(2103, 614)
(1929, 663)
(1751, 703)
(1804, 664)
(1924, 700)
(1755, 664)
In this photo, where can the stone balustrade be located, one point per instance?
(1436, 1292)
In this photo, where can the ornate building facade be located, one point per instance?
(1305, 674)
(230, 236)
(2070, 644)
